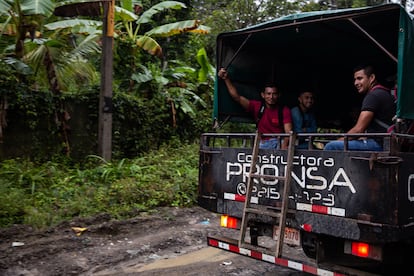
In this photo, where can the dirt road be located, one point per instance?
(171, 241)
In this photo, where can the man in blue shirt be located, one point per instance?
(303, 118)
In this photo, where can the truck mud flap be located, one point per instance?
(288, 261)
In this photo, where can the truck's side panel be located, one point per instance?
(363, 187)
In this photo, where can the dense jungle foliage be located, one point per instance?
(163, 82)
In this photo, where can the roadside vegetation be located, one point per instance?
(45, 194)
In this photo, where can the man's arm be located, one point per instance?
(288, 129)
(296, 120)
(287, 125)
(244, 102)
(364, 119)
(313, 126)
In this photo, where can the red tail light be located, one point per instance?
(228, 222)
(363, 250)
(360, 249)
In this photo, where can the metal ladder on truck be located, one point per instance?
(261, 210)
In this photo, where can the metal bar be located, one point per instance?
(238, 50)
(373, 39)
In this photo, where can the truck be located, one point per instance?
(344, 212)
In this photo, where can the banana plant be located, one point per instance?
(133, 24)
(54, 52)
(20, 19)
(25, 17)
(180, 84)
(57, 52)
(45, 46)
(174, 80)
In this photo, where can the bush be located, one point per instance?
(44, 194)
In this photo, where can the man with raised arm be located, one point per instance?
(272, 119)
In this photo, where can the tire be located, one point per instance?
(309, 244)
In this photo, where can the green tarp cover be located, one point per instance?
(317, 51)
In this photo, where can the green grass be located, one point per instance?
(43, 195)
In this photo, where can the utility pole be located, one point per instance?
(95, 8)
(105, 99)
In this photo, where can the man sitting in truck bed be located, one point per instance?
(377, 111)
(303, 117)
(270, 119)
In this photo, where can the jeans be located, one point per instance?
(269, 143)
(368, 145)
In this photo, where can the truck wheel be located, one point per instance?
(309, 244)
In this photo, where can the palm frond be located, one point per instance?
(143, 77)
(124, 15)
(19, 66)
(89, 45)
(4, 7)
(76, 72)
(37, 7)
(176, 28)
(148, 14)
(150, 45)
(35, 52)
(72, 23)
(201, 29)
